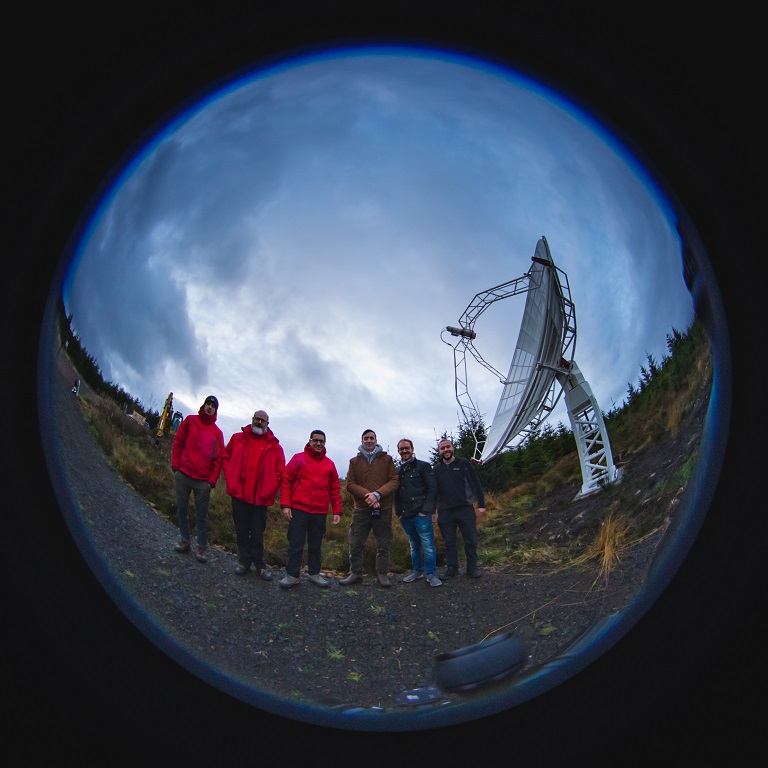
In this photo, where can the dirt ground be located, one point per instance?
(361, 647)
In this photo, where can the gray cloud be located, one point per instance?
(298, 241)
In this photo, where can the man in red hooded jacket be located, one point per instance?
(253, 468)
(198, 450)
(309, 488)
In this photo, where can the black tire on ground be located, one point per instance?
(478, 664)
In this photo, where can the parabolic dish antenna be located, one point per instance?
(542, 369)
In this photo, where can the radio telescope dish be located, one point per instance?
(542, 368)
(529, 386)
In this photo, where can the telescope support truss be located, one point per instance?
(588, 425)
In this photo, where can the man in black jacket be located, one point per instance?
(415, 505)
(457, 485)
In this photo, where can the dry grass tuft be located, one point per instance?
(609, 544)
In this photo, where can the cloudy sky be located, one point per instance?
(298, 240)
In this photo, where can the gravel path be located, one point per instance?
(337, 649)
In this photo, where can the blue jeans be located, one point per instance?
(421, 537)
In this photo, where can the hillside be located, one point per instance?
(362, 646)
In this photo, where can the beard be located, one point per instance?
(258, 430)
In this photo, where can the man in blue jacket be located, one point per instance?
(457, 485)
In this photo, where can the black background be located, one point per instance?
(82, 89)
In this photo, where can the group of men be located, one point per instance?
(255, 470)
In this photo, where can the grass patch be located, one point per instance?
(334, 652)
(541, 554)
(493, 555)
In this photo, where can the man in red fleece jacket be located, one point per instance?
(310, 487)
(196, 457)
(253, 468)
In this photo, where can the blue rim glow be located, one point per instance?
(489, 699)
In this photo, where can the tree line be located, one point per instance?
(91, 373)
(532, 457)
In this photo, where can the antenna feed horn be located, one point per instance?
(467, 333)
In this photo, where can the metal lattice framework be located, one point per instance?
(543, 358)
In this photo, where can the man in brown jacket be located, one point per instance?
(372, 480)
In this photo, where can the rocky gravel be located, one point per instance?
(344, 648)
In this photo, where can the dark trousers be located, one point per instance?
(186, 486)
(459, 519)
(250, 523)
(310, 528)
(362, 525)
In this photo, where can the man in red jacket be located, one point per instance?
(198, 450)
(253, 468)
(310, 486)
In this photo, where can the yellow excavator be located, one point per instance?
(169, 420)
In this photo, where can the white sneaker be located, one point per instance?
(434, 581)
(318, 579)
(289, 581)
(413, 575)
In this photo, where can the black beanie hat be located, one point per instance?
(212, 398)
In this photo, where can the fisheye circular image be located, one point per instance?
(377, 387)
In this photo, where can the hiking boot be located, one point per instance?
(474, 573)
(413, 575)
(241, 569)
(433, 581)
(182, 546)
(353, 578)
(318, 579)
(449, 573)
(289, 581)
(384, 580)
(266, 574)
(200, 555)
